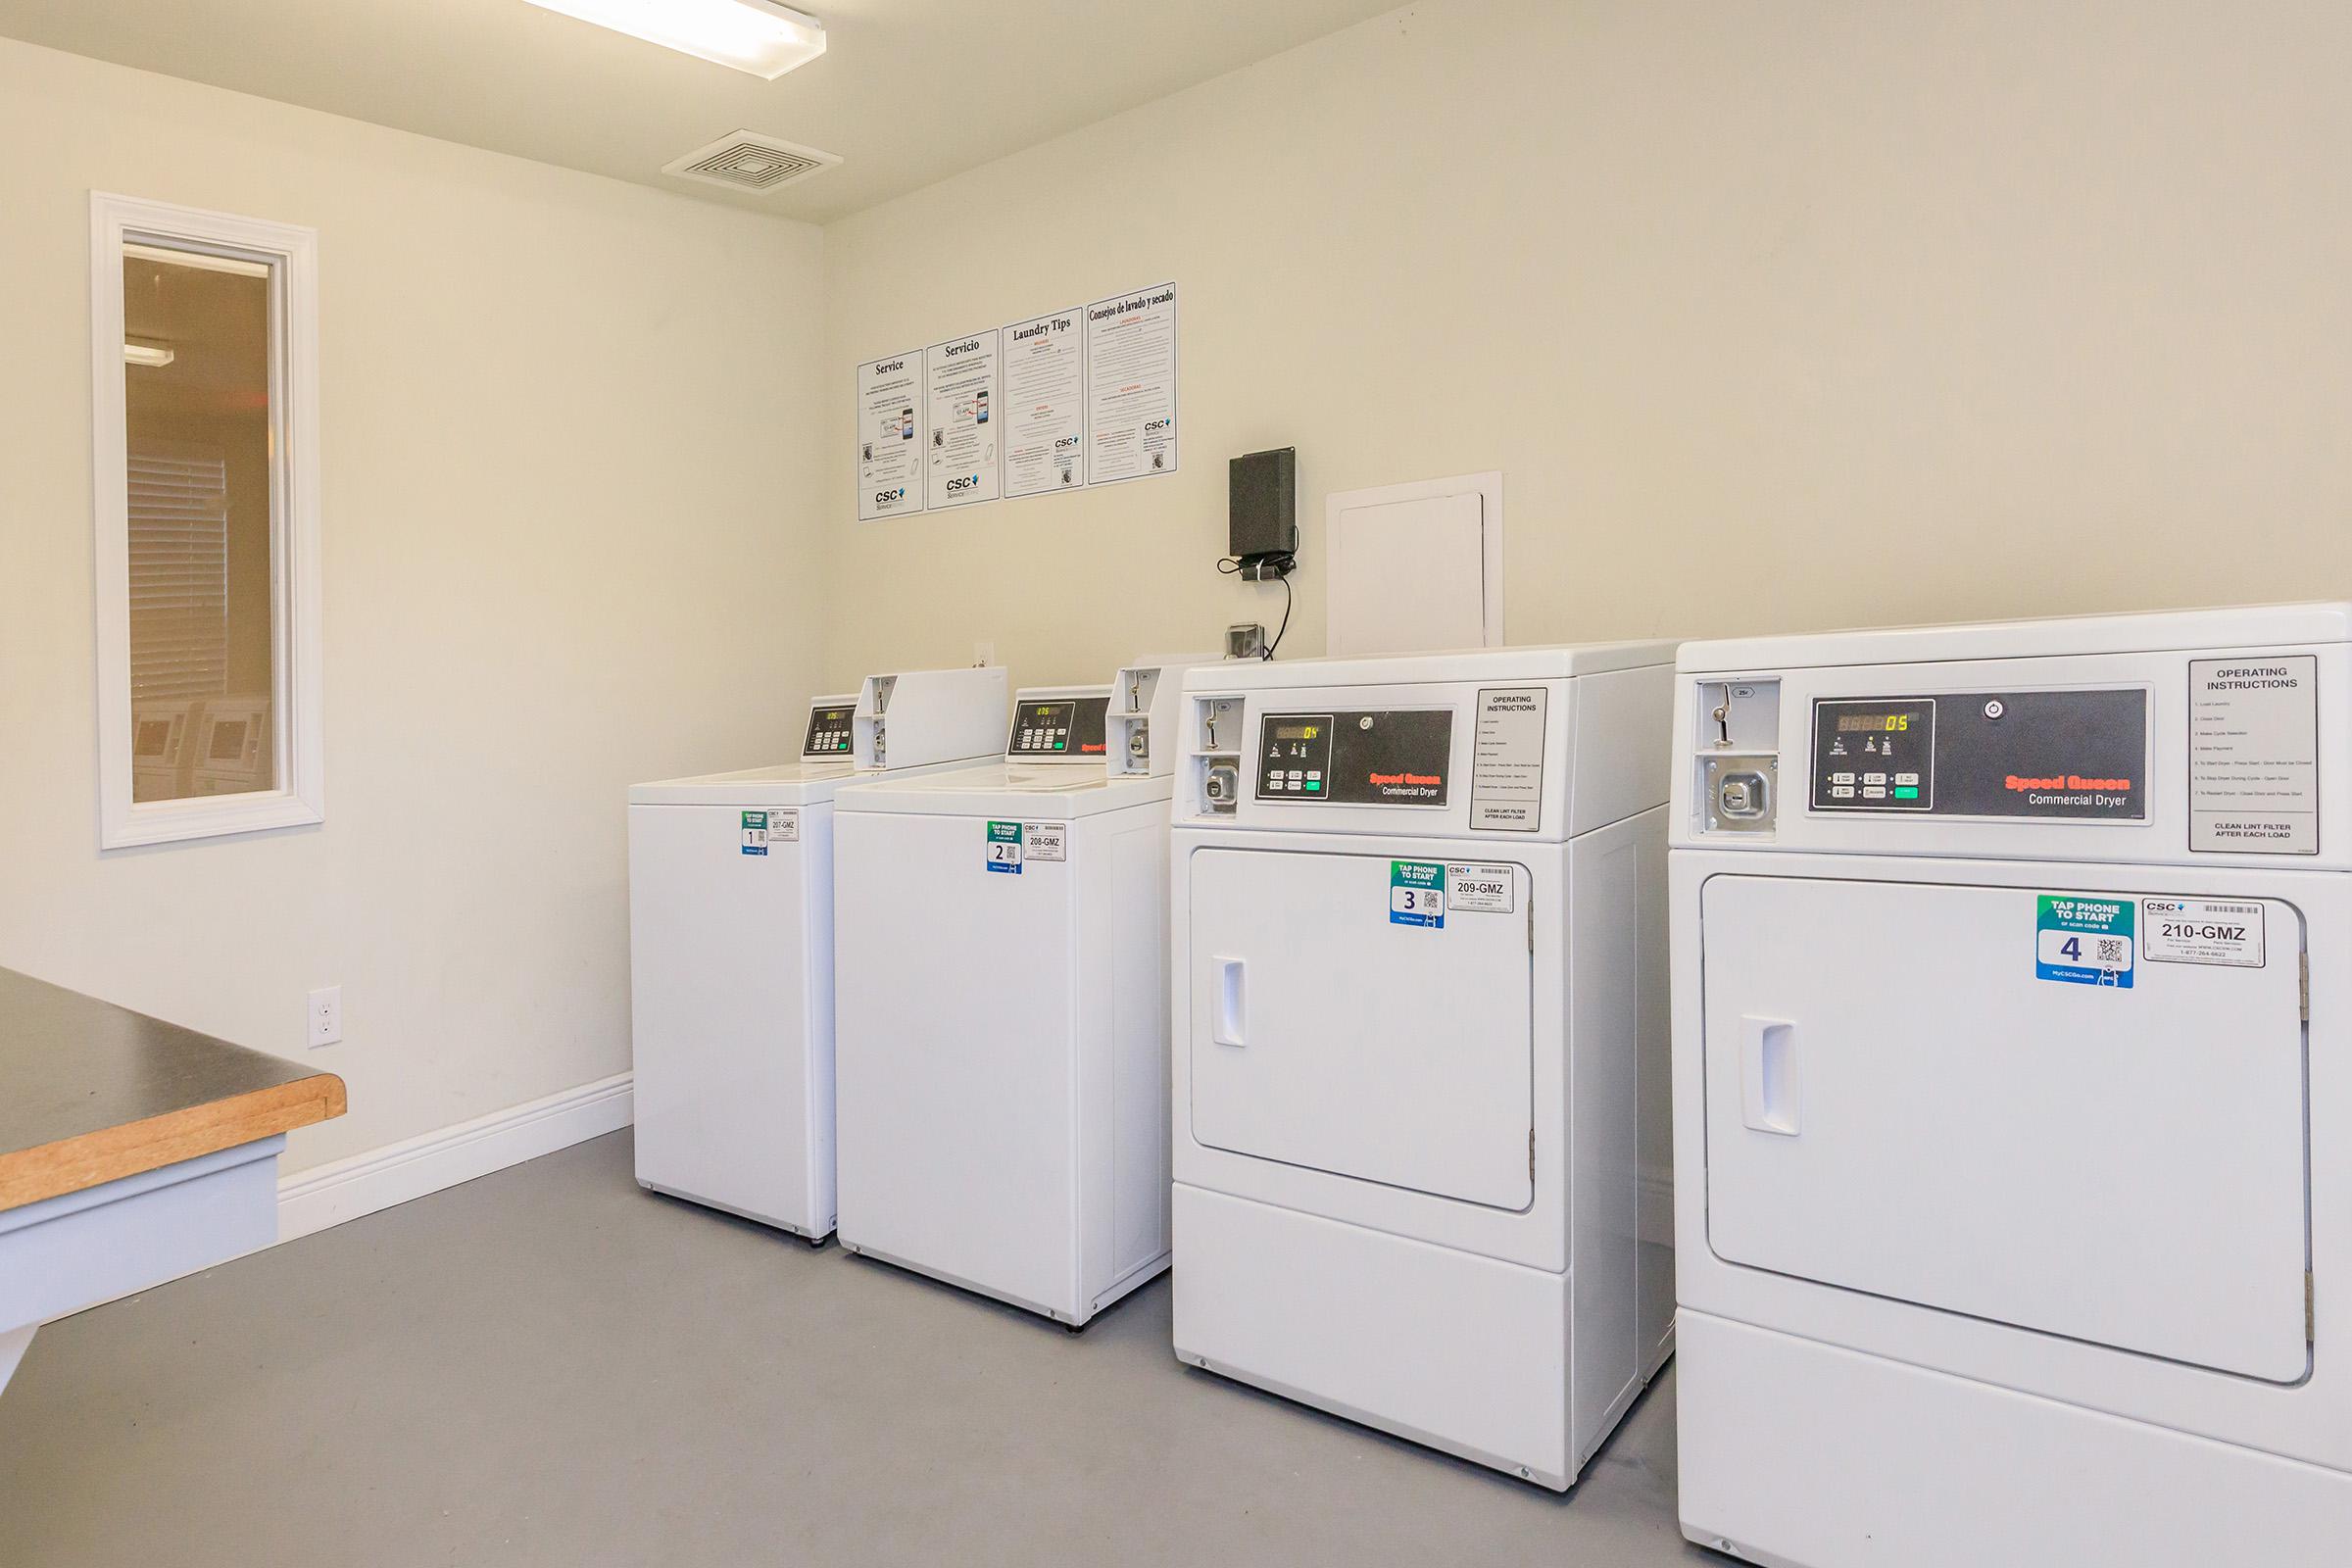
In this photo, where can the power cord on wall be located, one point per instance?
(1260, 569)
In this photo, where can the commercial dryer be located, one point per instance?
(731, 951)
(1419, 945)
(2013, 1159)
(1002, 1029)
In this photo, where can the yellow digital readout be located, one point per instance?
(1873, 723)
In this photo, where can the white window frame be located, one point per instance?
(292, 254)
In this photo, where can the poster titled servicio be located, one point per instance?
(960, 401)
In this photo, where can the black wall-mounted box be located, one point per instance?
(1263, 504)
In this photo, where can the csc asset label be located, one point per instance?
(2219, 931)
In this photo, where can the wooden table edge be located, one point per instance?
(109, 1154)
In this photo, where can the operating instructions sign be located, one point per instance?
(2254, 755)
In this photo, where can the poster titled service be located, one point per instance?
(890, 437)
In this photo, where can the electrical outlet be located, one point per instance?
(326, 1015)
(983, 654)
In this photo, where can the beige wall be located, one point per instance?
(1776, 316)
(568, 545)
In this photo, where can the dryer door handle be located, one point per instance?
(1229, 1014)
(1767, 1098)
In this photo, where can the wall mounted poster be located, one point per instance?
(890, 437)
(1045, 404)
(1055, 403)
(962, 405)
(1131, 385)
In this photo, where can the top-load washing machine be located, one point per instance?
(232, 754)
(731, 953)
(1419, 951)
(2013, 1069)
(163, 747)
(1001, 950)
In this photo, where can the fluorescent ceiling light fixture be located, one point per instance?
(152, 355)
(754, 35)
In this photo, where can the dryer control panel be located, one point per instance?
(1874, 756)
(2080, 754)
(1394, 756)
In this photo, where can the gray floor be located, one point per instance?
(549, 1366)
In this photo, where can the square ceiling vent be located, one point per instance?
(747, 160)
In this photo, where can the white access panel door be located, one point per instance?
(1323, 1035)
(720, 1000)
(958, 1058)
(1896, 1103)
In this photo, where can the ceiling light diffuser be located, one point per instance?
(752, 35)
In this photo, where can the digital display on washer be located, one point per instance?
(1386, 757)
(828, 730)
(1060, 729)
(2060, 756)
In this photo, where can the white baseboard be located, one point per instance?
(324, 1196)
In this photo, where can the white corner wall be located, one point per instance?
(1801, 314)
(569, 544)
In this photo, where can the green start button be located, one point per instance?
(1906, 792)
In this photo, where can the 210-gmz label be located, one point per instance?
(2227, 932)
(2209, 933)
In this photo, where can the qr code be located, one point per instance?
(2111, 950)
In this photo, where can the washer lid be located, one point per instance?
(1007, 789)
(783, 784)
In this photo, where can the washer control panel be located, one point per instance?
(828, 730)
(1058, 731)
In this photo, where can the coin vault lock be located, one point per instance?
(1740, 792)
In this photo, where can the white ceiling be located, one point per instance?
(908, 91)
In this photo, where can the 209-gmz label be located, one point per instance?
(1480, 889)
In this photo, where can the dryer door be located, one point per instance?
(1919, 1090)
(1339, 1021)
